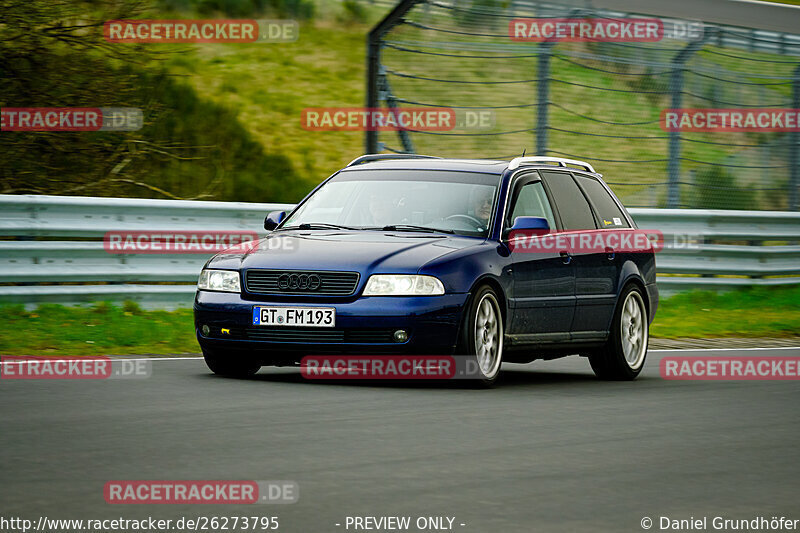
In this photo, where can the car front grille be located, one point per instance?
(320, 336)
(301, 282)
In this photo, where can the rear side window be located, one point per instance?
(610, 214)
(570, 202)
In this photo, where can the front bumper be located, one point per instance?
(363, 326)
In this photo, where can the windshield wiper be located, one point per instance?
(411, 227)
(318, 225)
(392, 227)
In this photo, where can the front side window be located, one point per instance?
(532, 201)
(458, 202)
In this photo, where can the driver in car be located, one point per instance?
(380, 210)
(481, 205)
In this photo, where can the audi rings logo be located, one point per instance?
(302, 282)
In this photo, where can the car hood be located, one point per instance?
(362, 251)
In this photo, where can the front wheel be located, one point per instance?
(483, 336)
(622, 358)
(230, 365)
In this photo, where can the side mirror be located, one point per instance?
(528, 225)
(273, 219)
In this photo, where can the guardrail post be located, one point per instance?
(374, 39)
(676, 89)
(543, 93)
(794, 148)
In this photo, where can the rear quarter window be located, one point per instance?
(607, 210)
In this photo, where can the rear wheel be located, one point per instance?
(483, 336)
(622, 358)
(230, 365)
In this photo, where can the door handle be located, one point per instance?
(566, 258)
(610, 254)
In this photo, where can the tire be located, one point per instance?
(231, 365)
(482, 338)
(623, 356)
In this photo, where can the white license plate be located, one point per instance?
(315, 317)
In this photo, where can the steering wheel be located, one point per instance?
(478, 223)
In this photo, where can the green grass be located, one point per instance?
(100, 329)
(106, 329)
(761, 312)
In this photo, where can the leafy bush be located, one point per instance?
(188, 148)
(298, 9)
(354, 11)
(653, 86)
(716, 188)
(473, 13)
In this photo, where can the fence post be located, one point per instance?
(374, 39)
(543, 94)
(676, 89)
(794, 148)
(385, 90)
(543, 87)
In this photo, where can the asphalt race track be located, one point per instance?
(550, 449)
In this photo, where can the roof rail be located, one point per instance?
(378, 157)
(520, 161)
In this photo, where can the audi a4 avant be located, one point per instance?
(421, 255)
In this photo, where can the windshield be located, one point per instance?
(457, 202)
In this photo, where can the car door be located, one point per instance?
(543, 292)
(593, 285)
(597, 294)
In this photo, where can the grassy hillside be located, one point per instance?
(223, 120)
(268, 86)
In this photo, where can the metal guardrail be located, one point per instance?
(57, 253)
(51, 247)
(716, 249)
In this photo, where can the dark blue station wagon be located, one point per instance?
(406, 254)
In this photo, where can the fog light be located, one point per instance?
(206, 330)
(400, 335)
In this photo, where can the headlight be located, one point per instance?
(219, 280)
(403, 285)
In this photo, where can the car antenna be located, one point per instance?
(523, 152)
